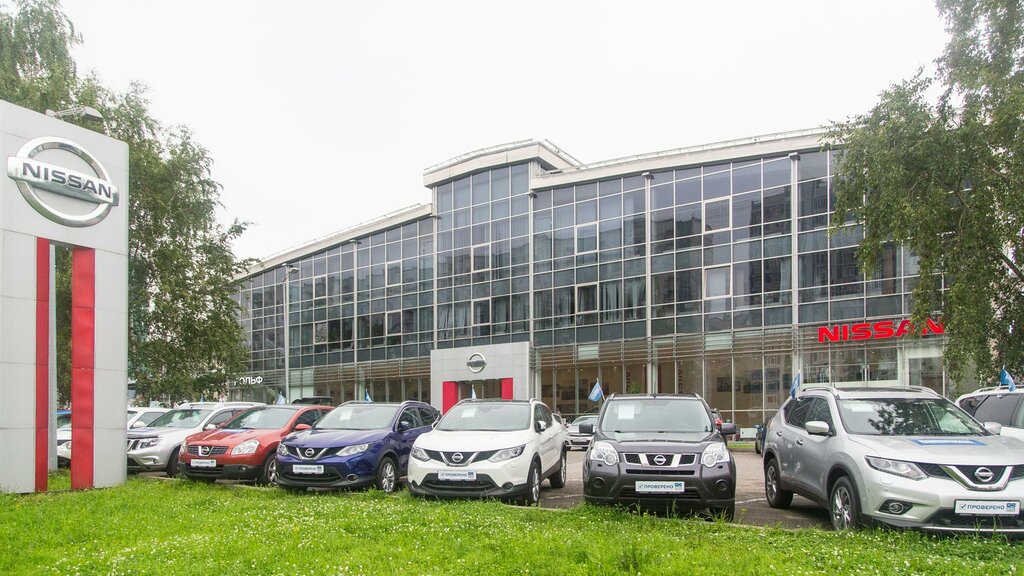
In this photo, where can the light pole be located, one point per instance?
(288, 269)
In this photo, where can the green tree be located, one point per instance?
(938, 166)
(184, 339)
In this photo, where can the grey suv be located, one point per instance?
(659, 451)
(898, 456)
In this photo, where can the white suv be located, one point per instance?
(997, 405)
(490, 449)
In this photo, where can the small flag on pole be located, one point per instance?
(366, 395)
(472, 391)
(1006, 380)
(795, 386)
(596, 393)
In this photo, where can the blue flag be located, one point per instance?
(472, 391)
(795, 386)
(366, 395)
(596, 393)
(1006, 380)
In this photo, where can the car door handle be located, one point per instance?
(778, 433)
(800, 442)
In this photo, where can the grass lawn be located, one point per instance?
(175, 527)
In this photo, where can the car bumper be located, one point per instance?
(506, 479)
(933, 504)
(149, 459)
(582, 442)
(342, 472)
(703, 487)
(228, 467)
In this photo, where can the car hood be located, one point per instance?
(235, 436)
(314, 438)
(472, 441)
(966, 450)
(177, 433)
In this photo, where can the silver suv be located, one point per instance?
(156, 448)
(997, 405)
(898, 456)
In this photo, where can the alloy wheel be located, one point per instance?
(387, 483)
(561, 471)
(771, 483)
(272, 472)
(842, 518)
(535, 485)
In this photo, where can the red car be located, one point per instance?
(245, 448)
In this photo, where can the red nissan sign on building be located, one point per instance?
(880, 330)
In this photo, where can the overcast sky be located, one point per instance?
(321, 115)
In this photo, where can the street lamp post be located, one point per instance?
(288, 269)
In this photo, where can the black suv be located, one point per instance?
(660, 450)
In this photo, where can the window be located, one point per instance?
(997, 408)
(394, 271)
(395, 322)
(481, 312)
(586, 298)
(716, 282)
(586, 238)
(795, 412)
(222, 418)
(411, 418)
(428, 416)
(308, 418)
(716, 215)
(819, 411)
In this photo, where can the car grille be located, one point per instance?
(193, 450)
(630, 492)
(466, 457)
(952, 519)
(649, 459)
(937, 471)
(133, 444)
(318, 453)
(330, 475)
(214, 472)
(481, 484)
(658, 472)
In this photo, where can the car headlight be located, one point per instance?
(420, 454)
(282, 450)
(715, 454)
(604, 452)
(64, 444)
(507, 454)
(245, 448)
(352, 450)
(896, 467)
(147, 443)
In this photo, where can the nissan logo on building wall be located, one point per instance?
(476, 362)
(37, 180)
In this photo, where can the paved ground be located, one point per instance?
(751, 507)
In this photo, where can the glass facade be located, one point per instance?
(709, 278)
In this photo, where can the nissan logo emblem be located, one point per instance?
(38, 180)
(457, 457)
(309, 452)
(476, 363)
(984, 474)
(204, 450)
(659, 460)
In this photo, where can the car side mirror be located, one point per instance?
(210, 427)
(138, 424)
(586, 428)
(727, 428)
(818, 428)
(403, 426)
(301, 427)
(994, 427)
(541, 426)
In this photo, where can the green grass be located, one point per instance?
(174, 527)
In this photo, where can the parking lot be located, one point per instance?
(751, 507)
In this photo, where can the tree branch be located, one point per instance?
(1002, 256)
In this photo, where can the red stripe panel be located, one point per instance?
(83, 345)
(42, 362)
(449, 395)
(506, 388)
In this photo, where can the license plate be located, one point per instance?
(987, 507)
(203, 463)
(652, 487)
(308, 468)
(459, 475)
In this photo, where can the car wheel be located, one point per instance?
(172, 464)
(773, 492)
(387, 475)
(268, 474)
(558, 478)
(844, 507)
(532, 497)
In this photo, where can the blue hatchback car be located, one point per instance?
(355, 445)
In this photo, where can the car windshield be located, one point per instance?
(262, 419)
(358, 417)
(487, 417)
(906, 417)
(658, 415)
(64, 421)
(183, 418)
(583, 419)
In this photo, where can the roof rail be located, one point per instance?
(990, 389)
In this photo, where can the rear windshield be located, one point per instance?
(184, 418)
(497, 417)
(678, 415)
(906, 417)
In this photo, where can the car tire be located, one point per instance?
(532, 497)
(387, 475)
(844, 505)
(172, 464)
(557, 479)
(268, 472)
(776, 496)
